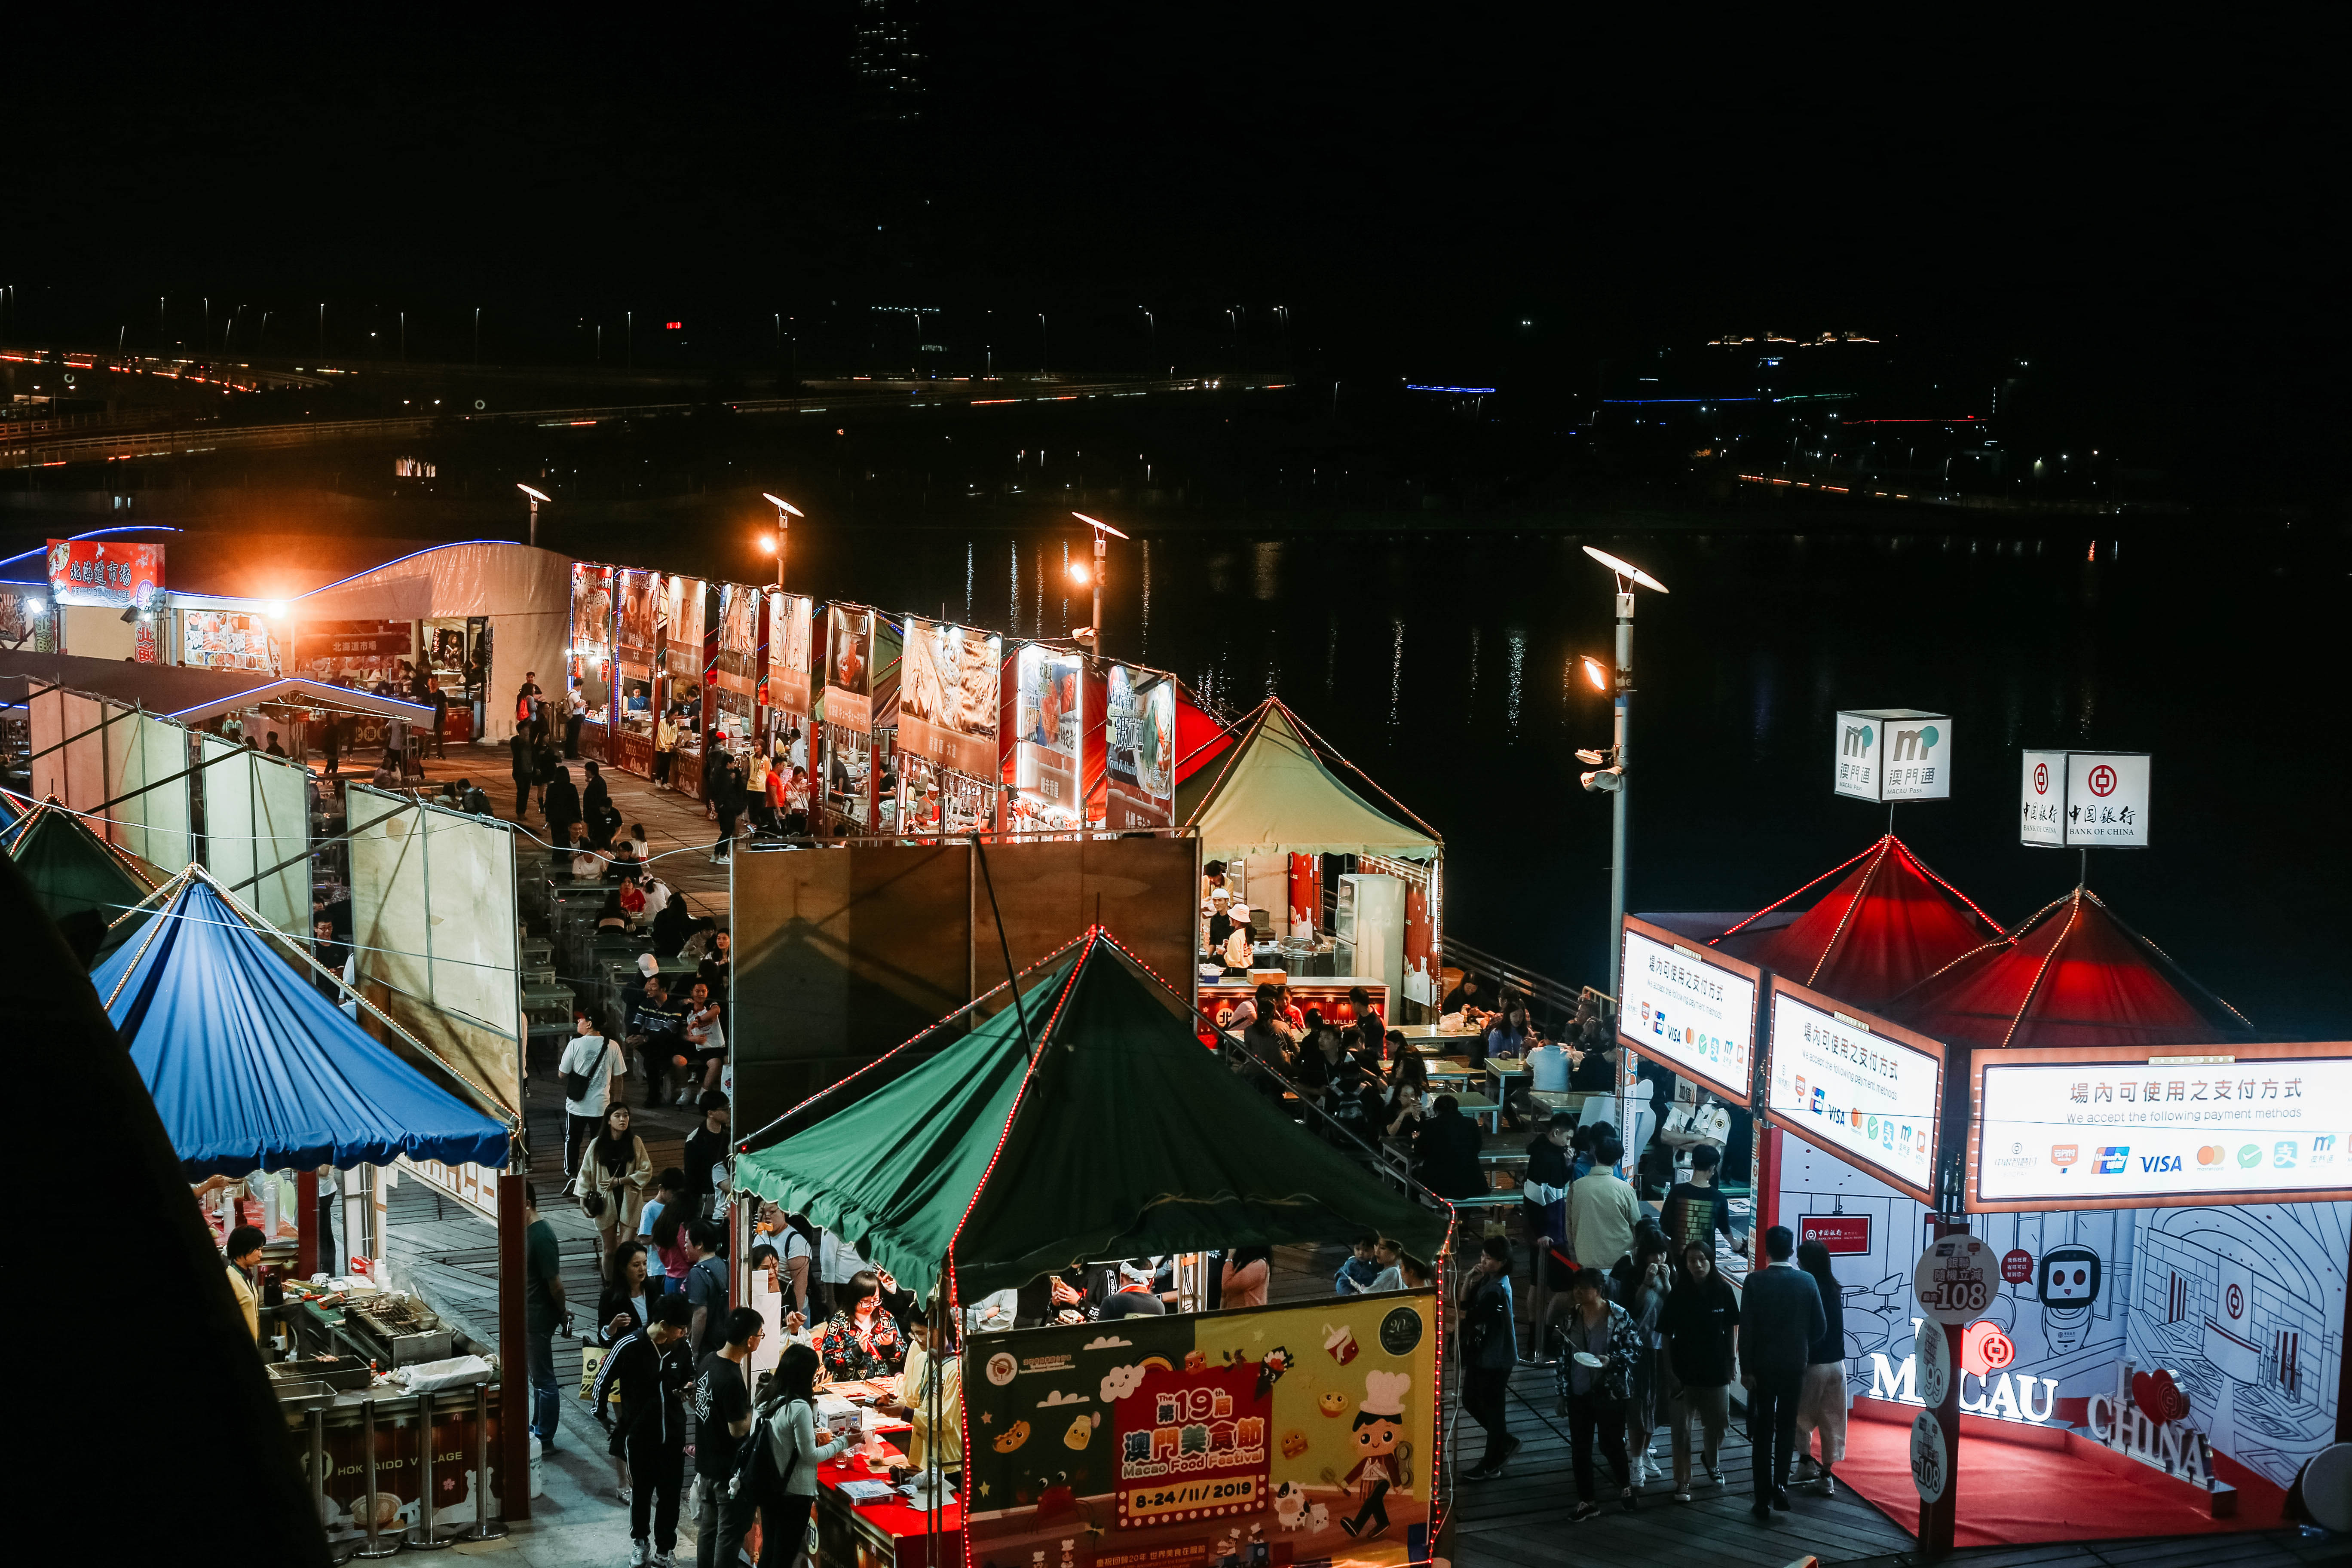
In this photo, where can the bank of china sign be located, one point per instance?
(1894, 753)
(2084, 800)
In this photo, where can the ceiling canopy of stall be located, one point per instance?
(1272, 792)
(1123, 1137)
(2072, 975)
(1889, 924)
(252, 1068)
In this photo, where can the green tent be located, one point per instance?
(72, 869)
(1125, 1137)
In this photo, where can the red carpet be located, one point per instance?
(2017, 1494)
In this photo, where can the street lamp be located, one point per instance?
(785, 512)
(535, 499)
(1612, 779)
(1104, 533)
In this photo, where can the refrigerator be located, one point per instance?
(1370, 931)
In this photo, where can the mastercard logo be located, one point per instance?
(2212, 1154)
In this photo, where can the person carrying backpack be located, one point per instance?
(776, 1465)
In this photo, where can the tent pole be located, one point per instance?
(1028, 1042)
(514, 1360)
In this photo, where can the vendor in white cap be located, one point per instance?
(1134, 1293)
(1237, 944)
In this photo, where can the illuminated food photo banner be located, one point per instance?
(790, 617)
(1047, 730)
(1691, 1010)
(849, 668)
(105, 572)
(948, 697)
(1139, 710)
(1256, 1435)
(1857, 1086)
(2131, 1126)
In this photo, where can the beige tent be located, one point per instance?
(1274, 794)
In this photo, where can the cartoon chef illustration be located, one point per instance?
(1379, 1428)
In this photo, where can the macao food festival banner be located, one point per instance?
(1268, 1436)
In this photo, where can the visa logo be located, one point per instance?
(2113, 1159)
(2159, 1163)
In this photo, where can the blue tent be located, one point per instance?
(252, 1068)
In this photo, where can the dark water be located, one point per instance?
(1446, 665)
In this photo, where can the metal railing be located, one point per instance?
(1553, 1002)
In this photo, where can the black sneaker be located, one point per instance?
(1506, 1457)
(1583, 1511)
(1780, 1499)
(1481, 1472)
(1629, 1498)
(1761, 1513)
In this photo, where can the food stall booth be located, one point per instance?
(683, 690)
(589, 668)
(948, 718)
(1085, 1123)
(639, 616)
(734, 720)
(1272, 809)
(786, 644)
(857, 722)
(1042, 729)
(257, 1073)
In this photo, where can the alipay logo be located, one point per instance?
(2283, 1154)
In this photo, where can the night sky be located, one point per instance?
(1413, 186)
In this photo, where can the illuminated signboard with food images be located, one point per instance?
(1139, 710)
(948, 697)
(2145, 1127)
(1691, 1009)
(1295, 1433)
(1863, 1088)
(1046, 728)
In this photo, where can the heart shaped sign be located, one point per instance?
(1985, 1350)
(2159, 1395)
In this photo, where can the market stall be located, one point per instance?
(255, 1071)
(682, 680)
(948, 720)
(1087, 1123)
(1044, 701)
(589, 672)
(639, 616)
(521, 596)
(2161, 1228)
(855, 790)
(72, 869)
(784, 688)
(1271, 799)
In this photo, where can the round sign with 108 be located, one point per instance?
(1930, 1466)
(1954, 1282)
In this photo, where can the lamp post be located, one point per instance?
(535, 499)
(785, 512)
(1104, 533)
(1609, 776)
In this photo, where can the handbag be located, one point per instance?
(590, 1358)
(592, 1204)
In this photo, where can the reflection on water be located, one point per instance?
(1738, 674)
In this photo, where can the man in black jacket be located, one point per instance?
(1781, 1316)
(563, 803)
(526, 768)
(1445, 1152)
(653, 1372)
(1489, 1344)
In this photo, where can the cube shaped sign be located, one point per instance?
(2082, 800)
(1894, 753)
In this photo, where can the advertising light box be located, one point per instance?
(2135, 1127)
(1858, 1086)
(1689, 1009)
(1894, 753)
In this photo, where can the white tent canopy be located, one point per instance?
(1273, 793)
(526, 592)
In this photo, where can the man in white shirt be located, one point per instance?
(598, 1060)
(1548, 1069)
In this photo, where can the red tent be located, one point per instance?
(1200, 739)
(2072, 975)
(1889, 924)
